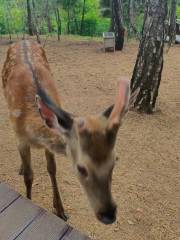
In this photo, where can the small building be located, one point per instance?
(177, 31)
(109, 41)
(178, 26)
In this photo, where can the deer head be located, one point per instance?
(90, 145)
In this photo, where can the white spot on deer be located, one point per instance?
(16, 113)
(8, 91)
(12, 99)
(28, 129)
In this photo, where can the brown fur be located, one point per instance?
(96, 140)
(20, 91)
(89, 141)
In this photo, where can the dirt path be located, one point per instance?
(146, 181)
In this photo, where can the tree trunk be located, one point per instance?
(9, 31)
(49, 25)
(36, 25)
(29, 18)
(58, 20)
(76, 22)
(132, 27)
(117, 23)
(149, 64)
(68, 23)
(8, 19)
(82, 19)
(172, 27)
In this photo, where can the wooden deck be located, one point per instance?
(20, 219)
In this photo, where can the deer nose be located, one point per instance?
(108, 216)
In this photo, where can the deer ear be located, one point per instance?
(56, 119)
(116, 112)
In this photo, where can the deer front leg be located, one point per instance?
(57, 203)
(21, 170)
(25, 154)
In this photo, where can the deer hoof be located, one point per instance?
(63, 215)
(21, 171)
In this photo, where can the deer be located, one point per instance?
(40, 121)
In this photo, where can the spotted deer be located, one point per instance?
(40, 121)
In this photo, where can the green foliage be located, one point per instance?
(139, 21)
(17, 16)
(13, 16)
(103, 25)
(94, 24)
(2, 22)
(178, 12)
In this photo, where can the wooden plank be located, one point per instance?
(7, 197)
(17, 217)
(20, 219)
(75, 235)
(45, 227)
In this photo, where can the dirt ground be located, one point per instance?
(146, 180)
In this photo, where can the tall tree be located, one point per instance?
(117, 23)
(47, 16)
(36, 23)
(29, 18)
(82, 19)
(58, 21)
(69, 17)
(131, 13)
(172, 26)
(149, 64)
(8, 18)
(105, 8)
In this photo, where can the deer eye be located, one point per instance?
(82, 171)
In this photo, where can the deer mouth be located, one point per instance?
(107, 217)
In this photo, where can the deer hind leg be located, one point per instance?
(25, 154)
(57, 202)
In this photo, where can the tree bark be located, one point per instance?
(49, 25)
(29, 18)
(105, 8)
(149, 64)
(132, 27)
(82, 19)
(58, 20)
(8, 19)
(76, 22)
(9, 30)
(117, 23)
(36, 25)
(68, 22)
(172, 27)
